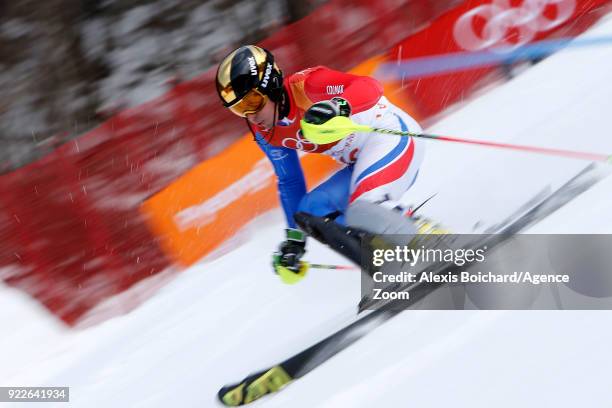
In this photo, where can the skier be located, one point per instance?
(379, 169)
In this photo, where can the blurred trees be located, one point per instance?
(66, 64)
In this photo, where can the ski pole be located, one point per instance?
(323, 266)
(341, 126)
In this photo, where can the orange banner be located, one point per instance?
(207, 205)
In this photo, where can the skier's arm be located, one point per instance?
(291, 184)
(291, 189)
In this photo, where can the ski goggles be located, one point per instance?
(251, 103)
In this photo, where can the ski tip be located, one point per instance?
(232, 395)
(254, 387)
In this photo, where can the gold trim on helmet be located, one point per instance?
(224, 81)
(260, 59)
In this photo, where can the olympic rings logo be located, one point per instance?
(299, 143)
(528, 19)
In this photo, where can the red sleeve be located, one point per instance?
(361, 92)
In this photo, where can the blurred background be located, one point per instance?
(65, 65)
(107, 105)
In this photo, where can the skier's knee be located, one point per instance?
(378, 219)
(317, 203)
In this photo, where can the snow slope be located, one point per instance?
(223, 318)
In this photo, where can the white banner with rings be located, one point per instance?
(528, 19)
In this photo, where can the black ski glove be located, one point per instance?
(323, 111)
(287, 260)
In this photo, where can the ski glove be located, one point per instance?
(287, 260)
(323, 111)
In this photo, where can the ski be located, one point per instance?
(538, 207)
(278, 376)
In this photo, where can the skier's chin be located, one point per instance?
(261, 125)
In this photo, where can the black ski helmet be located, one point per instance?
(246, 78)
